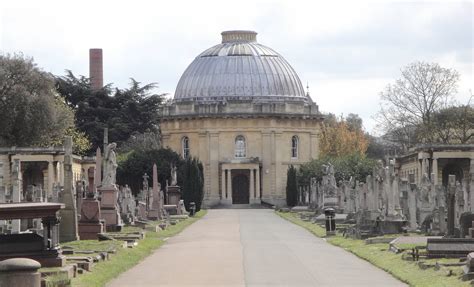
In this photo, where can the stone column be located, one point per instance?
(257, 178)
(471, 184)
(61, 173)
(16, 190)
(435, 171)
(223, 184)
(252, 186)
(229, 186)
(420, 171)
(50, 177)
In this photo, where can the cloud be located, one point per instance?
(347, 50)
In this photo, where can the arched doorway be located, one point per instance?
(240, 189)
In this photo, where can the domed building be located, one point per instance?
(241, 109)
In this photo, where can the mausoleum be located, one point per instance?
(241, 109)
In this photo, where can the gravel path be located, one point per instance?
(251, 247)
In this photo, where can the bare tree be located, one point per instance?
(407, 106)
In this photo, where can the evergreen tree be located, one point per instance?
(125, 112)
(291, 187)
(133, 165)
(192, 183)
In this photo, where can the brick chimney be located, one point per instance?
(96, 74)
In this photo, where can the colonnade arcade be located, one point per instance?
(240, 183)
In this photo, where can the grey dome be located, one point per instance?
(240, 68)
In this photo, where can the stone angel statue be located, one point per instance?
(110, 165)
(174, 178)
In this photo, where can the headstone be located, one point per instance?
(173, 192)
(109, 191)
(2, 194)
(412, 207)
(469, 268)
(460, 202)
(465, 223)
(155, 212)
(68, 224)
(451, 196)
(182, 208)
(90, 224)
(314, 192)
(449, 247)
(329, 187)
(127, 205)
(146, 192)
(55, 194)
(442, 220)
(98, 168)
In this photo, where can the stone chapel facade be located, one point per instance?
(241, 109)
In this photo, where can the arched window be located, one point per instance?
(240, 146)
(185, 146)
(294, 147)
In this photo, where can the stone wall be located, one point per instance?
(212, 140)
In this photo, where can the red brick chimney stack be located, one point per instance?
(96, 73)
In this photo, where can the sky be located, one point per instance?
(347, 52)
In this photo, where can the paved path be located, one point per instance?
(251, 247)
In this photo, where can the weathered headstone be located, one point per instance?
(469, 268)
(155, 211)
(90, 224)
(412, 206)
(329, 187)
(109, 191)
(127, 205)
(451, 197)
(98, 167)
(173, 191)
(68, 224)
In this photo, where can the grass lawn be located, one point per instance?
(378, 255)
(126, 258)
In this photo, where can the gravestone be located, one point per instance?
(68, 224)
(127, 205)
(182, 208)
(314, 193)
(442, 220)
(154, 212)
(449, 247)
(329, 187)
(465, 223)
(173, 191)
(451, 198)
(98, 167)
(469, 268)
(109, 191)
(90, 224)
(413, 225)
